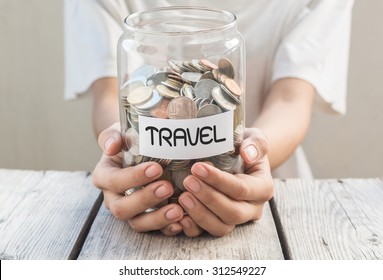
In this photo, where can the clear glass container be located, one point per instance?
(182, 83)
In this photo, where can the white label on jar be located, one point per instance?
(186, 138)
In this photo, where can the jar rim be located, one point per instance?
(230, 21)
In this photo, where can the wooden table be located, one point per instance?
(60, 215)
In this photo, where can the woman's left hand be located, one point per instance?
(217, 201)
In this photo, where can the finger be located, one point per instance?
(190, 228)
(254, 146)
(230, 211)
(172, 229)
(157, 219)
(109, 177)
(203, 217)
(250, 187)
(110, 140)
(126, 207)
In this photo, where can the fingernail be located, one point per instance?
(108, 144)
(185, 224)
(152, 171)
(200, 170)
(193, 185)
(162, 192)
(172, 214)
(251, 152)
(187, 202)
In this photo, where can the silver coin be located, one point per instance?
(178, 164)
(204, 88)
(208, 110)
(230, 95)
(188, 91)
(182, 108)
(139, 95)
(207, 75)
(221, 100)
(144, 70)
(158, 77)
(152, 102)
(191, 76)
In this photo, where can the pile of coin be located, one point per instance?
(181, 90)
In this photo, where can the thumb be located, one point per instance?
(254, 147)
(110, 140)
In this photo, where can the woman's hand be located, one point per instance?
(113, 180)
(217, 201)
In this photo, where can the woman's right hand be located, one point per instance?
(113, 180)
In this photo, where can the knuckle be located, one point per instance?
(208, 198)
(262, 146)
(241, 191)
(223, 231)
(117, 211)
(236, 217)
(134, 226)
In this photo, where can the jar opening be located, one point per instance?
(179, 20)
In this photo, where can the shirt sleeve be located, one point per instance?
(91, 31)
(316, 49)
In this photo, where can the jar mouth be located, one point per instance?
(180, 20)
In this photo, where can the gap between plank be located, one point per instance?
(77, 247)
(281, 233)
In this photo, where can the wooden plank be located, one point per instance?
(42, 213)
(110, 238)
(332, 219)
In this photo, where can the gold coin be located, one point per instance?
(166, 92)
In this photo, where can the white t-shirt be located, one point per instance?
(306, 39)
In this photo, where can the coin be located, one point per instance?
(182, 108)
(161, 111)
(188, 91)
(157, 78)
(166, 92)
(208, 64)
(139, 95)
(155, 99)
(204, 88)
(221, 100)
(225, 67)
(231, 85)
(208, 110)
(144, 70)
(191, 76)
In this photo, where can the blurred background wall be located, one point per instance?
(39, 130)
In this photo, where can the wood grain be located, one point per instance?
(42, 213)
(332, 219)
(110, 238)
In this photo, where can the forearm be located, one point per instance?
(105, 103)
(285, 117)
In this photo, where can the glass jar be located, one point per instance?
(181, 77)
